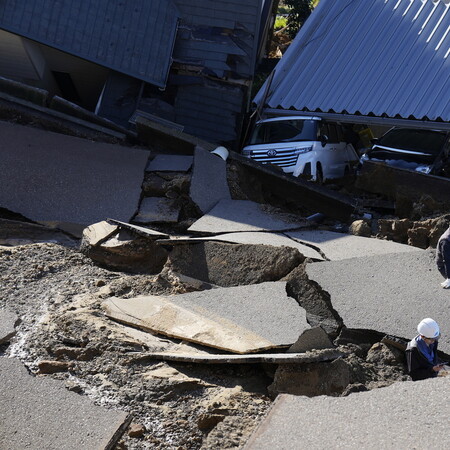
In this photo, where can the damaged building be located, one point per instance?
(187, 64)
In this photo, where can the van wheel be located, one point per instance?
(319, 174)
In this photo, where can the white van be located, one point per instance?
(302, 145)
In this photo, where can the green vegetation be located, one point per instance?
(299, 11)
(280, 23)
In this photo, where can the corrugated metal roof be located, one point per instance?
(134, 38)
(388, 58)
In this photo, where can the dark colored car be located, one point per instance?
(420, 150)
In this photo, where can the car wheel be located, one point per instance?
(319, 174)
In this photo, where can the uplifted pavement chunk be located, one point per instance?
(38, 412)
(251, 238)
(386, 293)
(240, 319)
(380, 418)
(227, 265)
(8, 322)
(229, 216)
(337, 246)
(170, 163)
(209, 180)
(48, 176)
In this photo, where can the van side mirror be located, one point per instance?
(323, 139)
(375, 141)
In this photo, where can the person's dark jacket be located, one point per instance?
(419, 368)
(443, 254)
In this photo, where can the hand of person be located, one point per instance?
(446, 284)
(438, 368)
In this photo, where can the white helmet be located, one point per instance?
(428, 328)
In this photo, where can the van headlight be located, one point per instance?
(423, 169)
(246, 152)
(302, 150)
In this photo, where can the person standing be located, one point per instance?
(443, 258)
(421, 352)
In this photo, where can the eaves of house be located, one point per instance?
(134, 38)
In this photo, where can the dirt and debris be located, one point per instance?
(174, 405)
(57, 289)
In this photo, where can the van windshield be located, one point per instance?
(284, 131)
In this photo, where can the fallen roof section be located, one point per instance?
(386, 293)
(380, 418)
(39, 412)
(335, 246)
(240, 319)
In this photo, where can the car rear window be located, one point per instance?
(284, 131)
(424, 141)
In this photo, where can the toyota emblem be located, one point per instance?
(271, 152)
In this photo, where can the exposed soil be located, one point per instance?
(57, 292)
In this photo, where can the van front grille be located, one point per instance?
(285, 157)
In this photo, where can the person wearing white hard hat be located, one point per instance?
(443, 258)
(421, 352)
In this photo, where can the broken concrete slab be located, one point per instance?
(143, 231)
(170, 163)
(39, 412)
(250, 238)
(288, 188)
(119, 249)
(240, 319)
(380, 418)
(227, 265)
(230, 216)
(313, 339)
(209, 180)
(335, 246)
(157, 210)
(8, 322)
(265, 358)
(311, 379)
(390, 293)
(167, 138)
(54, 177)
(97, 233)
(14, 232)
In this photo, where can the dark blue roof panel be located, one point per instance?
(134, 38)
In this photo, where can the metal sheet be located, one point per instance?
(387, 58)
(134, 38)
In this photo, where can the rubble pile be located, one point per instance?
(212, 301)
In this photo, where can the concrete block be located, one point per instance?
(389, 293)
(380, 418)
(53, 177)
(170, 163)
(230, 216)
(38, 412)
(335, 246)
(209, 180)
(240, 319)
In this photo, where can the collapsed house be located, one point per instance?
(189, 64)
